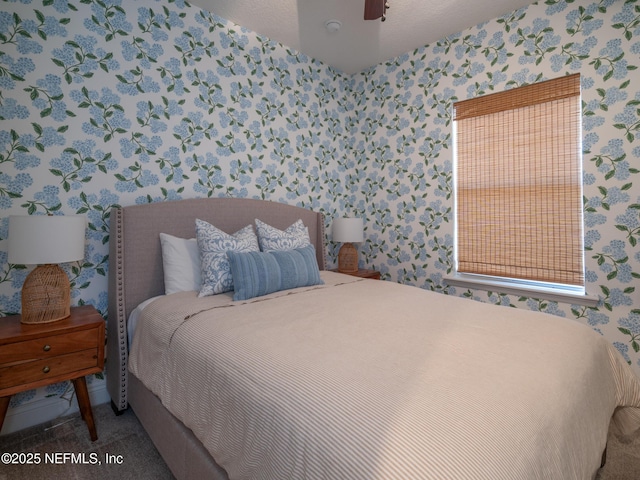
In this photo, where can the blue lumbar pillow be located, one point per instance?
(260, 273)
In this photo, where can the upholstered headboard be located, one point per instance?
(135, 257)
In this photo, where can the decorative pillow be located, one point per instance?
(270, 238)
(260, 273)
(181, 264)
(214, 264)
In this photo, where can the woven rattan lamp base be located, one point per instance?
(45, 295)
(348, 258)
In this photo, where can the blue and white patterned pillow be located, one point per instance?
(271, 239)
(214, 244)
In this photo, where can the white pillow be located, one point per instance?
(181, 264)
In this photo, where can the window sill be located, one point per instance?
(554, 294)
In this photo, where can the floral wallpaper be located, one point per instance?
(108, 102)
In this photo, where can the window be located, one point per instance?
(518, 183)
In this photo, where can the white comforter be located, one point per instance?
(364, 379)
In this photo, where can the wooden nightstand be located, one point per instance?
(36, 355)
(363, 273)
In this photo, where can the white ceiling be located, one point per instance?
(410, 24)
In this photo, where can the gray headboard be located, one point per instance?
(135, 257)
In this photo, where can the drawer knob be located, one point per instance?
(46, 348)
(46, 369)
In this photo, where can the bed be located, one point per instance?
(349, 377)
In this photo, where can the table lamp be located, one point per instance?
(348, 230)
(46, 240)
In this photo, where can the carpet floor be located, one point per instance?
(124, 451)
(121, 439)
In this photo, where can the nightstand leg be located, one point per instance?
(4, 405)
(84, 403)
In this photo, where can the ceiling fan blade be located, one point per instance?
(373, 9)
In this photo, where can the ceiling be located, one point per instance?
(410, 24)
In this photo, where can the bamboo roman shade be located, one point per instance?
(518, 192)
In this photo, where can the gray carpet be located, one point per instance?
(623, 459)
(123, 436)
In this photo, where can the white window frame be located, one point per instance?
(528, 288)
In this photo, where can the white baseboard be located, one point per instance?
(49, 408)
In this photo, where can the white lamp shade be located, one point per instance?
(44, 239)
(348, 230)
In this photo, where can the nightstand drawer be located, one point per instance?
(40, 354)
(28, 372)
(48, 346)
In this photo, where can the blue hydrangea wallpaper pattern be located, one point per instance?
(108, 102)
